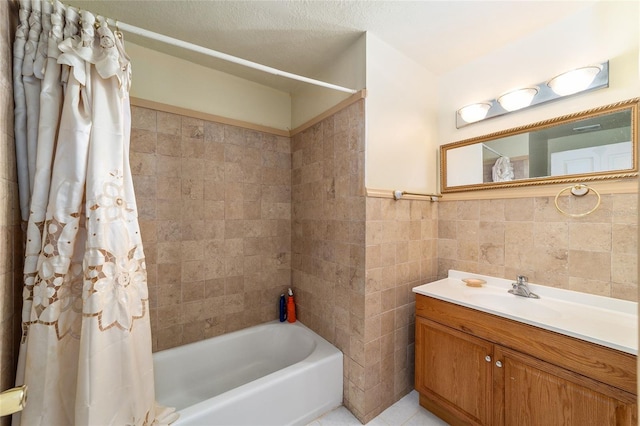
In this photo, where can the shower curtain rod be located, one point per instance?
(492, 150)
(220, 55)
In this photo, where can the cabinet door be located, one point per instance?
(453, 369)
(532, 392)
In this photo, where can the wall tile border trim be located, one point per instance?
(619, 186)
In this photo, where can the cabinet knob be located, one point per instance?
(487, 358)
(498, 364)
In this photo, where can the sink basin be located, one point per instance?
(521, 306)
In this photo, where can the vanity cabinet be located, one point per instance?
(476, 368)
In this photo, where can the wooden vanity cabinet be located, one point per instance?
(467, 374)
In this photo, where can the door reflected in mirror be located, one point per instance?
(591, 145)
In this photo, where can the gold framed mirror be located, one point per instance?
(597, 144)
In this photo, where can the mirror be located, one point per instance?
(590, 145)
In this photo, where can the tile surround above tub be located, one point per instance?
(215, 214)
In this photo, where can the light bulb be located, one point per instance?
(474, 112)
(517, 99)
(574, 81)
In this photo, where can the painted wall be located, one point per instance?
(401, 110)
(163, 78)
(347, 70)
(603, 31)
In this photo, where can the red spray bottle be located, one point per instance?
(291, 308)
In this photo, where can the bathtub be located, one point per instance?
(271, 374)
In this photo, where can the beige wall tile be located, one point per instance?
(603, 214)
(193, 212)
(624, 268)
(550, 260)
(168, 123)
(169, 145)
(468, 230)
(625, 209)
(518, 234)
(491, 253)
(624, 291)
(143, 118)
(169, 166)
(447, 229)
(447, 249)
(551, 234)
(590, 236)
(492, 210)
(519, 257)
(143, 141)
(601, 288)
(519, 209)
(546, 211)
(624, 238)
(589, 264)
(468, 210)
(447, 210)
(491, 232)
(467, 250)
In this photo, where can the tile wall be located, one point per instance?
(355, 260)
(10, 229)
(215, 213)
(529, 236)
(401, 243)
(328, 237)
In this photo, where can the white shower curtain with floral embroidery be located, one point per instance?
(85, 353)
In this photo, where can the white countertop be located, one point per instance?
(602, 320)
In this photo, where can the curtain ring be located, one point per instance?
(118, 33)
(578, 190)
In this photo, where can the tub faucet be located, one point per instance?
(521, 288)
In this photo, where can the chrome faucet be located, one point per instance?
(521, 288)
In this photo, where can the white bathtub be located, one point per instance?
(271, 374)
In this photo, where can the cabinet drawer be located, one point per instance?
(606, 365)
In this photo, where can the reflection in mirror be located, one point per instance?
(595, 144)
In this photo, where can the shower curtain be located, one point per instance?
(85, 352)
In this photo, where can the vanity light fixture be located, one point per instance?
(569, 83)
(517, 99)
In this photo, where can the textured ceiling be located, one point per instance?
(302, 36)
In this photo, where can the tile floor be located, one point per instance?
(406, 412)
